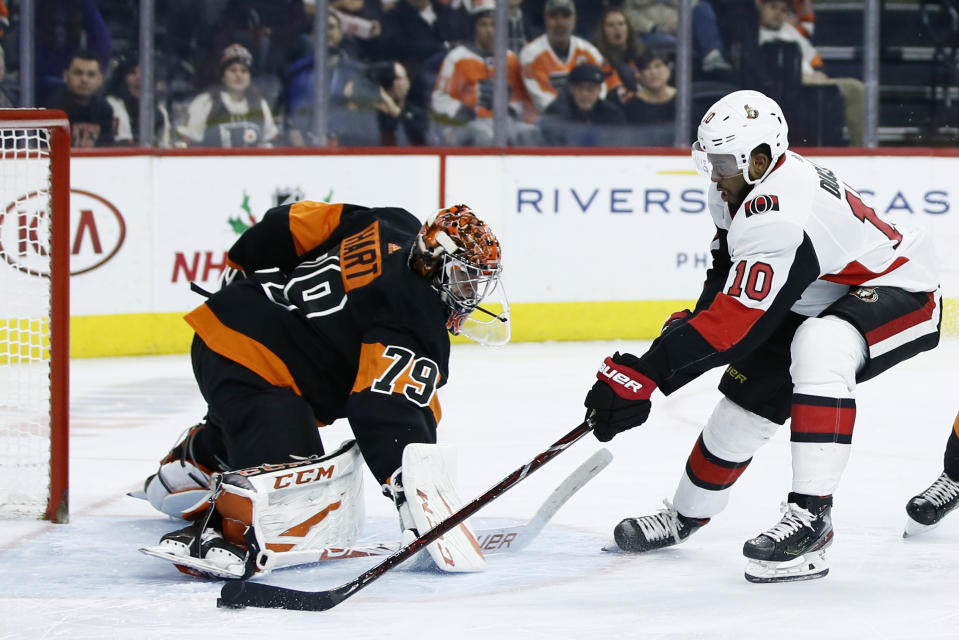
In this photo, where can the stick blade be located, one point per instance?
(237, 594)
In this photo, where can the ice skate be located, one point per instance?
(663, 529)
(795, 547)
(926, 510)
(213, 557)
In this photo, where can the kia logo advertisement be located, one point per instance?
(97, 231)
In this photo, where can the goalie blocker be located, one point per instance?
(281, 515)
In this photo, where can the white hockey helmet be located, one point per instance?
(734, 126)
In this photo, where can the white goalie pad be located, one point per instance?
(179, 489)
(429, 473)
(294, 507)
(294, 513)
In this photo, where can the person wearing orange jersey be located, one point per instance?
(327, 311)
(547, 60)
(464, 89)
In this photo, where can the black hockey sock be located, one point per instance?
(950, 461)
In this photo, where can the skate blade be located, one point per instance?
(807, 567)
(200, 568)
(914, 528)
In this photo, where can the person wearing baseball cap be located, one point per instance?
(548, 59)
(579, 116)
(233, 114)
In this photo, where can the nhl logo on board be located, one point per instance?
(866, 294)
(761, 204)
(751, 114)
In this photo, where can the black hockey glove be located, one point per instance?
(619, 399)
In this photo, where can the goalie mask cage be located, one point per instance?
(34, 313)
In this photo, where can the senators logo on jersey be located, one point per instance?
(761, 204)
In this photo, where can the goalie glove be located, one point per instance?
(619, 399)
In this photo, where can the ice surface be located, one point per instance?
(503, 406)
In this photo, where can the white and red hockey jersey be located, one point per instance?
(801, 239)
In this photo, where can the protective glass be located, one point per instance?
(714, 166)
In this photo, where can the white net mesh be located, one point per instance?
(25, 231)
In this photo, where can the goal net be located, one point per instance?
(34, 314)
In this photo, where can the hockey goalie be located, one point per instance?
(327, 311)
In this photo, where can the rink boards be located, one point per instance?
(595, 246)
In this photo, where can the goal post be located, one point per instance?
(35, 313)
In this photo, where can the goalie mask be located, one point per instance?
(734, 126)
(460, 257)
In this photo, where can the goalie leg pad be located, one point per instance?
(429, 472)
(179, 489)
(294, 507)
(285, 514)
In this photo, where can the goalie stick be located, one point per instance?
(491, 540)
(240, 593)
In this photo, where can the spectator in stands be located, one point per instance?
(578, 116)
(617, 41)
(656, 22)
(519, 28)
(361, 26)
(6, 102)
(123, 96)
(774, 25)
(464, 88)
(352, 96)
(803, 17)
(655, 100)
(234, 113)
(399, 121)
(547, 60)
(91, 118)
(419, 33)
(4, 19)
(65, 27)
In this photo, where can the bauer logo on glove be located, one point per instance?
(619, 399)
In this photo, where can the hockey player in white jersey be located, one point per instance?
(810, 292)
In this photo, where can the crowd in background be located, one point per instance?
(240, 73)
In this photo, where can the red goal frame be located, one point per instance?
(58, 125)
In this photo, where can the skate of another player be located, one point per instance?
(561, 585)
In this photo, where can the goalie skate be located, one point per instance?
(795, 547)
(926, 510)
(216, 557)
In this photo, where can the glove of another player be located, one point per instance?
(619, 399)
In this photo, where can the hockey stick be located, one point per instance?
(491, 541)
(239, 593)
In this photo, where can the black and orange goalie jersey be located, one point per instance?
(329, 309)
